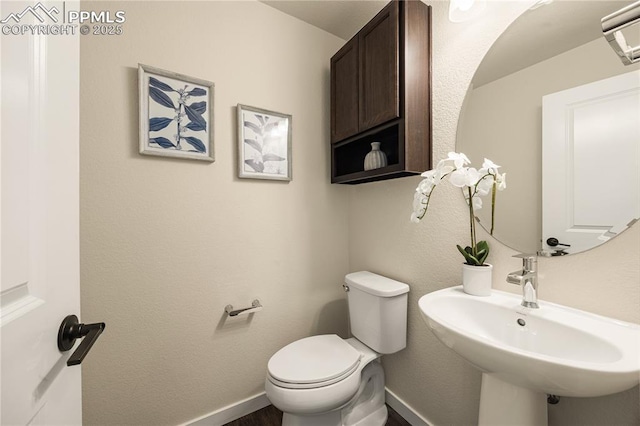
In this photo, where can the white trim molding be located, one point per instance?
(406, 411)
(231, 412)
(247, 406)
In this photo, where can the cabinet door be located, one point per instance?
(344, 92)
(379, 64)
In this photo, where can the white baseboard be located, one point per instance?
(231, 412)
(247, 406)
(405, 410)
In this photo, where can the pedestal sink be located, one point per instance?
(525, 354)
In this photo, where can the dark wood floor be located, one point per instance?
(271, 416)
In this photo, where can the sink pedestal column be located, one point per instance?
(502, 403)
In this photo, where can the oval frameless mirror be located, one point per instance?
(555, 107)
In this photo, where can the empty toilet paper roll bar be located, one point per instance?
(255, 307)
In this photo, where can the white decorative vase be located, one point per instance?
(476, 280)
(375, 159)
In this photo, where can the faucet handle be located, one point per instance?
(529, 261)
(526, 255)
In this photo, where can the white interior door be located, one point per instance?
(39, 217)
(590, 157)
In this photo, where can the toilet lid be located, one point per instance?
(313, 360)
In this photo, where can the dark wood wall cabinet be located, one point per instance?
(381, 92)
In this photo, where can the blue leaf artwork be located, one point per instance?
(176, 122)
(160, 97)
(199, 107)
(160, 85)
(195, 126)
(163, 142)
(158, 123)
(195, 117)
(196, 143)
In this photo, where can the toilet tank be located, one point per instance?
(378, 311)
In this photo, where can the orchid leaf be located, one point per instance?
(470, 258)
(464, 252)
(482, 245)
(483, 251)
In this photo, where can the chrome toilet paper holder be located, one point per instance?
(255, 307)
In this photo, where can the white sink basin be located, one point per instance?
(558, 350)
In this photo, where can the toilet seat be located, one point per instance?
(313, 362)
(319, 398)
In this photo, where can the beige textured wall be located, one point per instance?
(428, 376)
(506, 117)
(166, 244)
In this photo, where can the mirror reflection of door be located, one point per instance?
(590, 157)
(501, 119)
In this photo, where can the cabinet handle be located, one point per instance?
(70, 330)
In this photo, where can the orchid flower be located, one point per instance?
(474, 184)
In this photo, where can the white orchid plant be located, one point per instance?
(474, 184)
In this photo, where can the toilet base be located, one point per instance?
(367, 408)
(377, 418)
(332, 418)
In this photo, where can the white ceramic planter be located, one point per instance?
(476, 280)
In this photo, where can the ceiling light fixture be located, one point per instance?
(465, 10)
(540, 3)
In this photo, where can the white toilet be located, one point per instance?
(328, 381)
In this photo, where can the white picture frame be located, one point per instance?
(264, 144)
(176, 115)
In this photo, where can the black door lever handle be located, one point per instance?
(553, 242)
(70, 330)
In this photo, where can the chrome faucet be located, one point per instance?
(527, 278)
